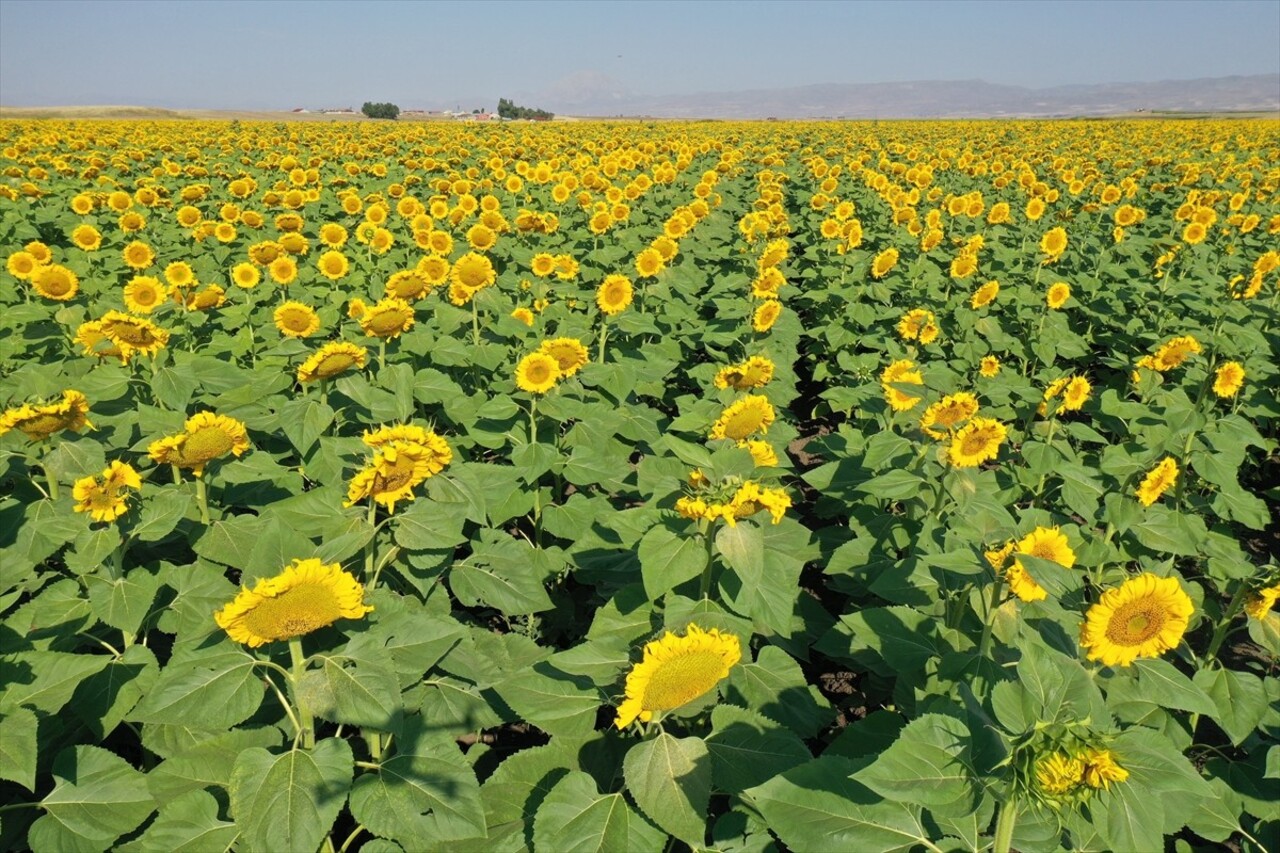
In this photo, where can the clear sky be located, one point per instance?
(280, 54)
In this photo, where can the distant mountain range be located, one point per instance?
(596, 94)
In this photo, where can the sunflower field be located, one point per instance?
(639, 487)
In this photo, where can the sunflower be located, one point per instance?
(884, 262)
(1076, 394)
(775, 252)
(976, 442)
(179, 274)
(990, 366)
(569, 353)
(755, 372)
(1194, 233)
(93, 341)
(1054, 243)
(750, 499)
(387, 318)
(283, 270)
(1047, 543)
(143, 294)
(537, 373)
(1175, 351)
(985, 295)
(55, 282)
(1229, 379)
(105, 501)
(434, 269)
(1101, 769)
(750, 415)
(543, 264)
(1142, 618)
(407, 285)
(332, 359)
(614, 294)
(212, 296)
(963, 265)
(333, 235)
(264, 253)
(138, 255)
(333, 265)
(1158, 481)
(38, 422)
(306, 596)
(295, 320)
(765, 315)
(87, 238)
(133, 334)
(947, 413)
(396, 468)
(1058, 295)
(481, 238)
(1058, 773)
(204, 438)
(22, 265)
(439, 453)
(918, 324)
(901, 372)
(666, 247)
(473, 271)
(767, 284)
(1259, 603)
(762, 453)
(675, 671)
(245, 275)
(649, 263)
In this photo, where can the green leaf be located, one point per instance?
(776, 687)
(430, 525)
(18, 748)
(1171, 532)
(512, 795)
(358, 692)
(748, 749)
(74, 458)
(92, 548)
(56, 677)
(214, 690)
(173, 387)
(765, 577)
(186, 824)
(895, 485)
(161, 511)
(1239, 699)
(668, 559)
(123, 603)
(289, 801)
(670, 779)
(208, 763)
(555, 701)
(929, 764)
(902, 637)
(576, 818)
(1167, 686)
(304, 421)
(426, 793)
(96, 797)
(1133, 819)
(502, 573)
(819, 807)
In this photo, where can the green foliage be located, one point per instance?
(381, 110)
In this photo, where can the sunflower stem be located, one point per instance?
(307, 728)
(369, 546)
(374, 740)
(1053, 424)
(1003, 840)
(475, 322)
(1220, 632)
(604, 335)
(202, 499)
(382, 352)
(177, 473)
(706, 528)
(533, 420)
(997, 594)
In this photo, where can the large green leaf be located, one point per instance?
(553, 700)
(186, 824)
(930, 764)
(424, 794)
(54, 678)
(670, 779)
(820, 807)
(96, 798)
(289, 801)
(354, 691)
(213, 690)
(668, 558)
(18, 748)
(1239, 700)
(576, 818)
(748, 749)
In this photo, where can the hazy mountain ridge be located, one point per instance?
(592, 93)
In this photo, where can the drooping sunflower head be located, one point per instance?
(676, 670)
(884, 262)
(133, 334)
(985, 295)
(744, 418)
(39, 421)
(407, 285)
(306, 596)
(614, 294)
(1142, 618)
(396, 469)
(296, 320)
(570, 354)
(205, 437)
(332, 359)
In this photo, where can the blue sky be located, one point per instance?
(316, 53)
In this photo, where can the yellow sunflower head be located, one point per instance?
(976, 442)
(537, 373)
(1158, 481)
(1058, 295)
(332, 359)
(143, 294)
(569, 353)
(1229, 379)
(901, 372)
(1144, 617)
(205, 437)
(55, 282)
(295, 320)
(306, 596)
(387, 318)
(396, 469)
(765, 315)
(614, 294)
(106, 500)
(38, 422)
(744, 418)
(676, 670)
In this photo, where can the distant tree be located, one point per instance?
(389, 111)
(508, 109)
